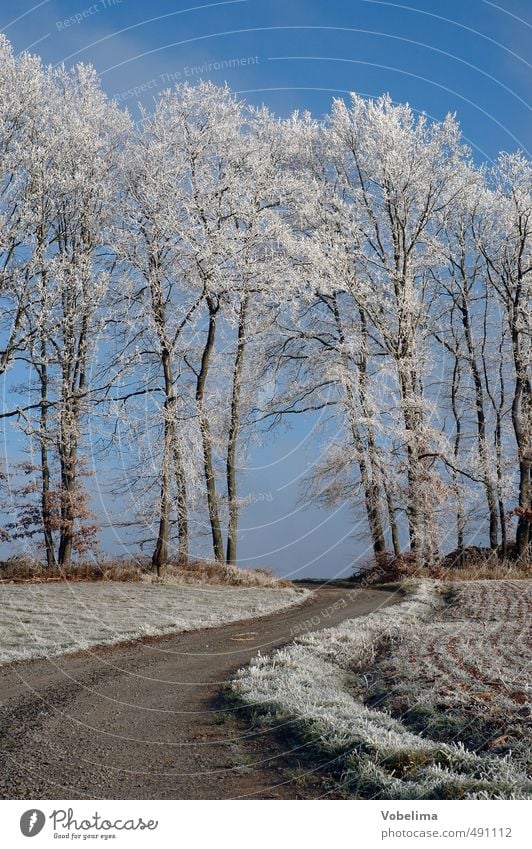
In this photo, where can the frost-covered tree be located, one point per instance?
(200, 238)
(466, 325)
(63, 262)
(397, 172)
(20, 137)
(159, 303)
(504, 234)
(185, 284)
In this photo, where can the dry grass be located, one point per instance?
(197, 572)
(471, 564)
(217, 574)
(505, 570)
(26, 570)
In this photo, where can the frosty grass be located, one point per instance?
(39, 620)
(306, 688)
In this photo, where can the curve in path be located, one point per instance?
(144, 721)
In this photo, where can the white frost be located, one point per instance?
(307, 684)
(39, 620)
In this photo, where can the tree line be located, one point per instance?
(173, 288)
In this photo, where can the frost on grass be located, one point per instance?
(471, 662)
(315, 685)
(38, 620)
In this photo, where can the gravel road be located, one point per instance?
(145, 720)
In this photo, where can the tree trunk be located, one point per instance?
(521, 408)
(206, 438)
(45, 465)
(41, 367)
(455, 385)
(160, 554)
(172, 452)
(171, 449)
(521, 412)
(412, 425)
(182, 506)
(498, 406)
(522, 536)
(369, 483)
(234, 426)
(68, 462)
(379, 545)
(481, 429)
(394, 530)
(66, 539)
(73, 386)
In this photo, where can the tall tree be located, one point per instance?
(63, 258)
(504, 234)
(461, 326)
(398, 171)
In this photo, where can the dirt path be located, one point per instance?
(145, 720)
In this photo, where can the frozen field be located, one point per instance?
(425, 699)
(38, 620)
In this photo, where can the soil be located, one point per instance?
(147, 720)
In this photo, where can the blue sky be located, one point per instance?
(472, 58)
(440, 55)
